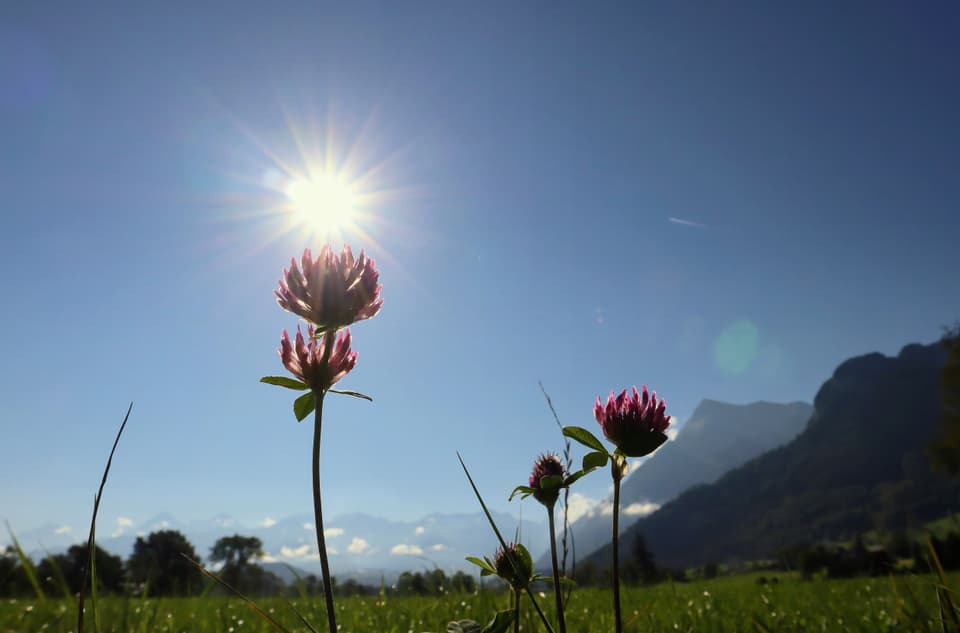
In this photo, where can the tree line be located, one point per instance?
(156, 567)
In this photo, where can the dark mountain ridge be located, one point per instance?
(860, 464)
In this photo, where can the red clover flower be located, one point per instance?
(306, 361)
(636, 424)
(331, 291)
(518, 574)
(547, 465)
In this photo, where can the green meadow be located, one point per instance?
(749, 602)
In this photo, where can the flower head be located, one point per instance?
(331, 291)
(547, 465)
(636, 423)
(319, 363)
(519, 573)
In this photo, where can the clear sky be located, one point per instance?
(720, 200)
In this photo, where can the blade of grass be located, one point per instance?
(253, 605)
(306, 622)
(28, 567)
(302, 590)
(210, 585)
(91, 541)
(503, 543)
(947, 609)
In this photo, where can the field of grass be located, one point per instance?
(738, 603)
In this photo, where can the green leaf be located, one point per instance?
(595, 460)
(284, 381)
(526, 558)
(551, 482)
(500, 622)
(524, 491)
(464, 626)
(575, 476)
(354, 394)
(481, 564)
(304, 405)
(585, 437)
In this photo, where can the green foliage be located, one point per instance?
(304, 405)
(284, 381)
(585, 437)
(728, 603)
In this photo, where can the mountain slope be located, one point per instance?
(717, 438)
(860, 464)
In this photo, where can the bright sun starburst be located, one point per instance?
(323, 204)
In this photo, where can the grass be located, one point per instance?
(734, 603)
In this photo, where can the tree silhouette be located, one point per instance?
(73, 566)
(946, 452)
(157, 565)
(640, 567)
(236, 553)
(236, 550)
(13, 580)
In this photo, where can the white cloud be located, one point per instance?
(124, 522)
(66, 529)
(439, 547)
(310, 526)
(268, 522)
(141, 534)
(672, 434)
(640, 509)
(304, 552)
(332, 532)
(268, 558)
(690, 223)
(420, 530)
(406, 550)
(358, 546)
(579, 505)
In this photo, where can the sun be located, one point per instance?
(323, 204)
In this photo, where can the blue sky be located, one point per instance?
(717, 201)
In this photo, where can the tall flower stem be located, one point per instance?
(616, 469)
(318, 515)
(557, 592)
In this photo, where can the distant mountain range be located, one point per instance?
(717, 438)
(361, 546)
(861, 463)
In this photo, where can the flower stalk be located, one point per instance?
(318, 516)
(617, 468)
(330, 292)
(557, 590)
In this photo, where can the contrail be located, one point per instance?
(682, 222)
